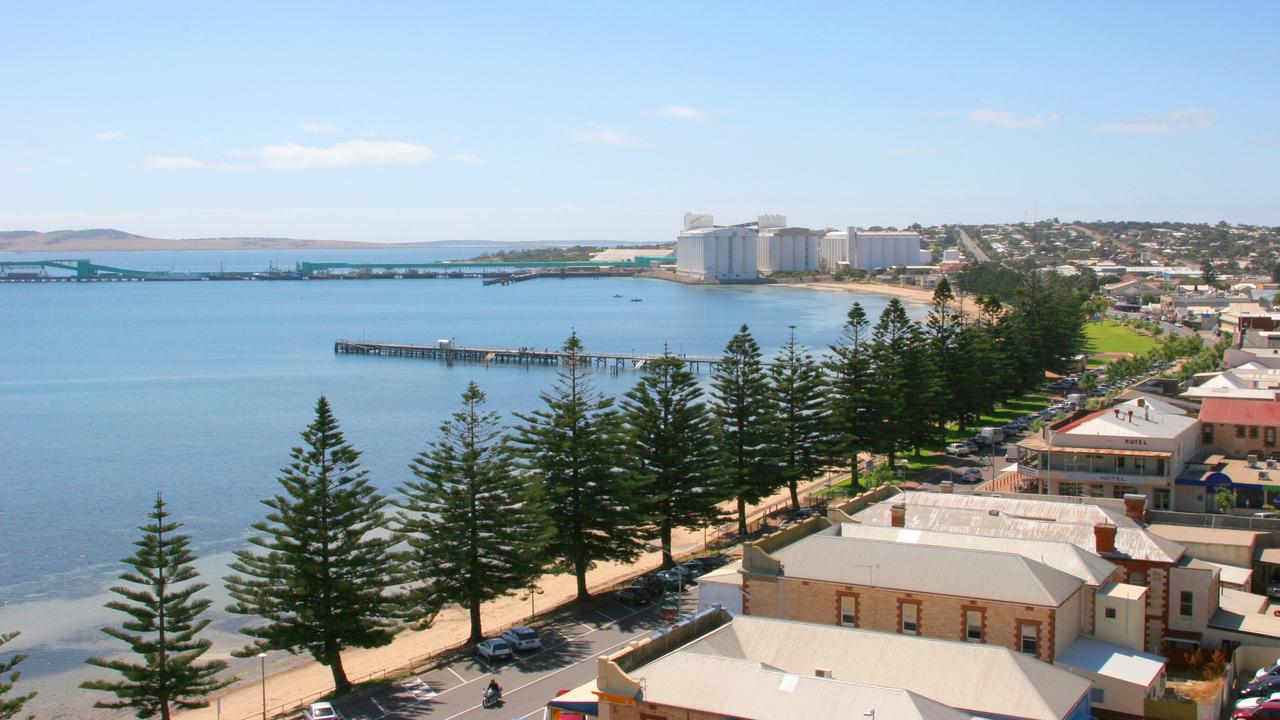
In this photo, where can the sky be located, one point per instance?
(600, 120)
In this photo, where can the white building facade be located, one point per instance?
(707, 252)
(884, 249)
(785, 249)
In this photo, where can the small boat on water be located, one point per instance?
(618, 295)
(637, 299)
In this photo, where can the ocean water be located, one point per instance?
(112, 392)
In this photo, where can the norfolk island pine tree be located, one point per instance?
(670, 438)
(475, 529)
(162, 630)
(573, 448)
(796, 383)
(849, 391)
(320, 573)
(743, 405)
(9, 676)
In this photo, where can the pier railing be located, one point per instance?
(525, 356)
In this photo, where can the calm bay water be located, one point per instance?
(111, 392)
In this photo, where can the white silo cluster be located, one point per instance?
(707, 251)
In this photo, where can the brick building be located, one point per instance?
(1241, 427)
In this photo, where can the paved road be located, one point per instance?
(972, 247)
(572, 641)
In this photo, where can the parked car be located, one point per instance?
(652, 582)
(982, 440)
(633, 595)
(523, 638)
(958, 449)
(711, 562)
(1266, 685)
(1269, 710)
(972, 475)
(693, 568)
(321, 711)
(494, 649)
(1268, 669)
(1254, 701)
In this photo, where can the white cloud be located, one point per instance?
(108, 135)
(319, 128)
(1162, 123)
(470, 158)
(682, 112)
(605, 135)
(170, 162)
(1006, 119)
(350, 153)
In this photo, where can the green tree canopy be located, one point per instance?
(852, 414)
(671, 439)
(748, 423)
(321, 572)
(162, 630)
(476, 530)
(572, 447)
(796, 384)
(10, 707)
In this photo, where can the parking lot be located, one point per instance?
(572, 640)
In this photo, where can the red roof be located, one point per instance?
(1240, 412)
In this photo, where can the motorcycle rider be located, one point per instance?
(494, 691)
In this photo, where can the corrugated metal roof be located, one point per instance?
(961, 572)
(1024, 519)
(748, 689)
(1091, 569)
(1240, 412)
(985, 679)
(1107, 660)
(1206, 535)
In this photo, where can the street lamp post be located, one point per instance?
(262, 659)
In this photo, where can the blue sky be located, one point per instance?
(600, 120)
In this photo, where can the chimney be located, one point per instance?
(898, 515)
(1104, 538)
(946, 487)
(1130, 416)
(1135, 506)
(1117, 410)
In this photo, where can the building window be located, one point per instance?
(1097, 696)
(1097, 490)
(1074, 489)
(973, 626)
(849, 610)
(910, 617)
(1110, 613)
(1186, 604)
(1253, 432)
(1207, 433)
(1239, 431)
(1138, 577)
(1161, 500)
(1028, 638)
(1269, 436)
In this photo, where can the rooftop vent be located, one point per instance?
(993, 513)
(1251, 460)
(822, 672)
(1263, 475)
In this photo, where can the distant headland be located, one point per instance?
(111, 240)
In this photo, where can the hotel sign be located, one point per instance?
(1135, 441)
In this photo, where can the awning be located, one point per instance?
(581, 700)
(1039, 445)
(1271, 556)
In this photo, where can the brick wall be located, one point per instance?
(649, 711)
(1254, 441)
(939, 616)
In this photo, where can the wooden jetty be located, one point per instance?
(527, 357)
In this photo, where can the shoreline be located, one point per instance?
(904, 292)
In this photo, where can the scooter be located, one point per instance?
(492, 698)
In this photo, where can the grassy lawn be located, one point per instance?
(1111, 336)
(1030, 403)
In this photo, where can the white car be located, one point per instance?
(1255, 701)
(522, 638)
(321, 711)
(494, 649)
(958, 449)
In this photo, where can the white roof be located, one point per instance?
(749, 689)
(1023, 519)
(1240, 602)
(1231, 574)
(1111, 661)
(726, 575)
(1091, 569)
(960, 572)
(1207, 535)
(1150, 419)
(979, 678)
(1249, 381)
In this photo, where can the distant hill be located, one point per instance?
(109, 240)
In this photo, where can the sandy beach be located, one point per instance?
(905, 292)
(296, 680)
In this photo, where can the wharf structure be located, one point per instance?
(446, 351)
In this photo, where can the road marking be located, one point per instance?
(588, 627)
(455, 674)
(375, 704)
(566, 637)
(605, 615)
(550, 674)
